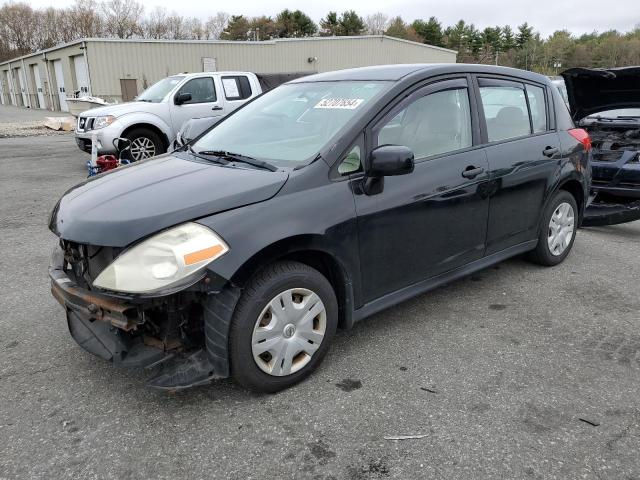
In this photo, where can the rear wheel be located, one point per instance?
(282, 326)
(557, 230)
(145, 143)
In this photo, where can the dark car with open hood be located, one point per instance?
(316, 205)
(606, 103)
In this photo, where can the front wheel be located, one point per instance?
(145, 143)
(282, 326)
(557, 230)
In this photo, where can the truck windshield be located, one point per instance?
(156, 92)
(292, 123)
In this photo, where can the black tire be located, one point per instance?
(542, 254)
(261, 289)
(144, 133)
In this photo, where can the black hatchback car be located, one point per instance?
(314, 206)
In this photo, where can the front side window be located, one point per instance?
(202, 90)
(293, 122)
(505, 110)
(156, 92)
(537, 104)
(431, 125)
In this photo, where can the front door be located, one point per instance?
(433, 220)
(204, 102)
(523, 155)
(129, 89)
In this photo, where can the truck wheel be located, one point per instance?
(145, 143)
(282, 326)
(557, 230)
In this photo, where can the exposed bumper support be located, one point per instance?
(600, 214)
(106, 327)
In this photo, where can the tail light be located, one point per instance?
(582, 136)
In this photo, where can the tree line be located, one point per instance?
(24, 29)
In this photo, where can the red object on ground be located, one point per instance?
(106, 162)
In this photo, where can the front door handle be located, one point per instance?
(472, 172)
(550, 151)
(216, 107)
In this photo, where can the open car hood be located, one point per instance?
(593, 90)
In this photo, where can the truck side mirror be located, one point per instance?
(182, 98)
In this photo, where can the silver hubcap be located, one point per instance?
(288, 332)
(141, 148)
(561, 229)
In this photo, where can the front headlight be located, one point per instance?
(101, 122)
(163, 260)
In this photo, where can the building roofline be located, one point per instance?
(222, 42)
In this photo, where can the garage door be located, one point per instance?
(8, 76)
(22, 86)
(62, 94)
(38, 82)
(82, 75)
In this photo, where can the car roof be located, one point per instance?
(400, 71)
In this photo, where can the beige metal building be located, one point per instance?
(117, 70)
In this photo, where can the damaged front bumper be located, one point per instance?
(124, 331)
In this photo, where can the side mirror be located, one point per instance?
(388, 160)
(182, 98)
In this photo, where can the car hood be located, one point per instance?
(120, 109)
(593, 90)
(132, 202)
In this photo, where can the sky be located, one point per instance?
(546, 16)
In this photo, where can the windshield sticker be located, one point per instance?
(340, 103)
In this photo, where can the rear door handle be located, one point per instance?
(550, 151)
(472, 172)
(216, 107)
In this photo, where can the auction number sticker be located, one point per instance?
(340, 103)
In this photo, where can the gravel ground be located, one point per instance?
(516, 372)
(26, 122)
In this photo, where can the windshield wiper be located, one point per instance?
(208, 156)
(238, 158)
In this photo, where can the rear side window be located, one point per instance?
(537, 104)
(201, 89)
(505, 110)
(236, 87)
(435, 124)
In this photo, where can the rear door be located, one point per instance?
(205, 101)
(434, 219)
(523, 152)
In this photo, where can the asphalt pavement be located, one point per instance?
(518, 372)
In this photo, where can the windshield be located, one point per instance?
(293, 122)
(156, 92)
(621, 112)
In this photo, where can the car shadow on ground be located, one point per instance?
(357, 342)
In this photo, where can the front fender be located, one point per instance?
(321, 219)
(129, 120)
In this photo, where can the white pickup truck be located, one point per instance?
(152, 120)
